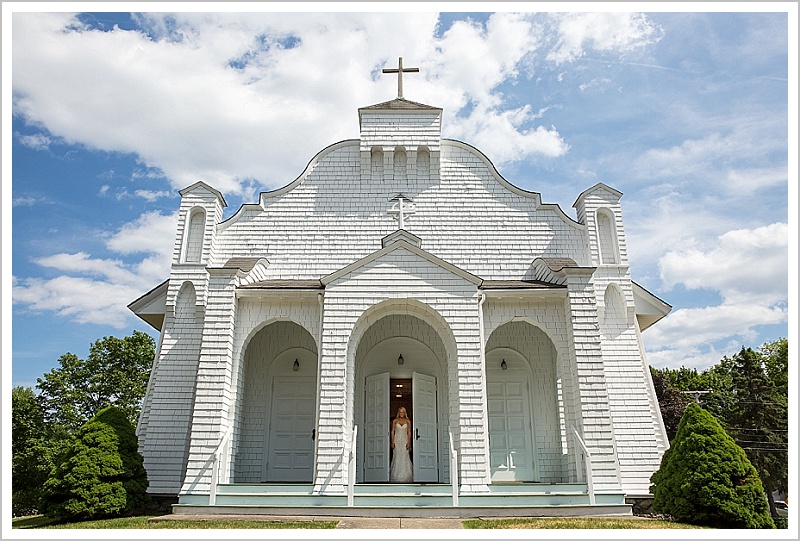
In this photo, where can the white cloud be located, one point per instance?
(152, 233)
(747, 267)
(80, 299)
(82, 263)
(36, 141)
(97, 290)
(602, 32)
(232, 97)
(152, 195)
(747, 181)
(724, 155)
(696, 358)
(700, 337)
(600, 81)
(690, 328)
(500, 137)
(26, 201)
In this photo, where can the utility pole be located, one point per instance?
(697, 395)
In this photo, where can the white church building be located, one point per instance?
(400, 269)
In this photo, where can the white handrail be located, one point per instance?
(212, 496)
(453, 470)
(351, 468)
(587, 461)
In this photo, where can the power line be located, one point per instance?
(757, 441)
(755, 429)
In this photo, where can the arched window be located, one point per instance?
(195, 230)
(376, 158)
(607, 237)
(423, 164)
(400, 164)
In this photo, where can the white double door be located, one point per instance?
(425, 434)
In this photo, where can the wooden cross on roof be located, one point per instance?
(399, 71)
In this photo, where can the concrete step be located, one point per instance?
(412, 500)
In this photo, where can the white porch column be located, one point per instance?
(594, 418)
(333, 385)
(212, 403)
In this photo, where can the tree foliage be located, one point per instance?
(671, 401)
(758, 416)
(35, 446)
(101, 475)
(749, 394)
(44, 426)
(115, 373)
(706, 479)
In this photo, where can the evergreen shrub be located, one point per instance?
(706, 479)
(101, 475)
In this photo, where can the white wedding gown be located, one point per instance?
(401, 470)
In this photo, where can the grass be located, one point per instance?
(573, 523)
(144, 523)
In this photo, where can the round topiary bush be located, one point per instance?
(101, 475)
(706, 479)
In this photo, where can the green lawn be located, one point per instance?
(574, 523)
(143, 523)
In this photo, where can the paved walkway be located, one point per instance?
(348, 523)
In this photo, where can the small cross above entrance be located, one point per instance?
(404, 208)
(399, 71)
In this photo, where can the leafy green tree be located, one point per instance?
(758, 416)
(717, 380)
(749, 394)
(27, 426)
(101, 475)
(706, 479)
(670, 400)
(35, 448)
(115, 373)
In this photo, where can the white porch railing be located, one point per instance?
(453, 470)
(215, 466)
(587, 462)
(351, 468)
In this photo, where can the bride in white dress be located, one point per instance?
(401, 470)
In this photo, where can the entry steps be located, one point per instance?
(407, 500)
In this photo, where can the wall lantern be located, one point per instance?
(296, 366)
(503, 365)
(400, 359)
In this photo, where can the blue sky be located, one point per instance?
(690, 115)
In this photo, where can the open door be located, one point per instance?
(425, 433)
(376, 429)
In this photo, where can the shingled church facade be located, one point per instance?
(399, 268)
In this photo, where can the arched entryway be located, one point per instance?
(525, 426)
(275, 432)
(419, 382)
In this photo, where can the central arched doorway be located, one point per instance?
(418, 381)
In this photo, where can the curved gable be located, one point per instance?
(535, 197)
